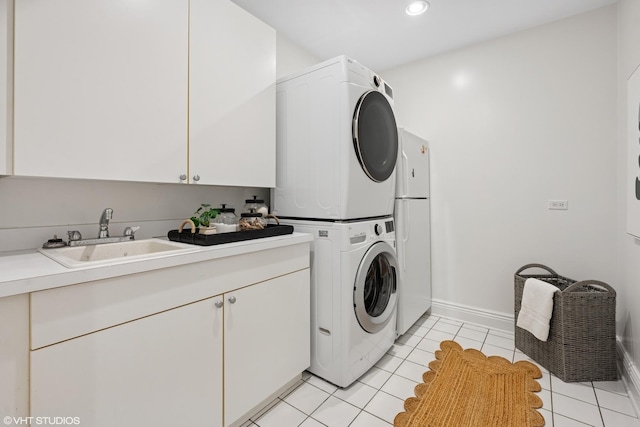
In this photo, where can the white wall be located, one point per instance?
(32, 210)
(629, 247)
(513, 123)
(291, 57)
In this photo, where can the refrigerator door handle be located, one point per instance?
(405, 219)
(405, 175)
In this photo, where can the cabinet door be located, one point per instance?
(266, 340)
(231, 96)
(162, 370)
(6, 42)
(101, 89)
(14, 356)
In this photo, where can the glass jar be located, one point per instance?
(227, 220)
(252, 220)
(257, 205)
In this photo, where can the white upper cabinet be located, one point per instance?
(101, 89)
(231, 96)
(6, 42)
(157, 91)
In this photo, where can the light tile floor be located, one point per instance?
(376, 398)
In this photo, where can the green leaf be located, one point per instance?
(204, 214)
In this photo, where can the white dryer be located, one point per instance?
(337, 143)
(353, 295)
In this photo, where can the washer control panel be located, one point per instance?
(368, 231)
(389, 226)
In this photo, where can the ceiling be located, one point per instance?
(380, 35)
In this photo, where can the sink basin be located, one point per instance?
(115, 253)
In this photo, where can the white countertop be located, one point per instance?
(30, 271)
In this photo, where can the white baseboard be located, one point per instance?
(488, 318)
(630, 376)
(505, 322)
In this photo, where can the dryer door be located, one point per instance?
(374, 294)
(375, 135)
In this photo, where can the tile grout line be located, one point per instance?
(342, 400)
(598, 403)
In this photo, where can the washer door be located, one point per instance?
(374, 292)
(375, 135)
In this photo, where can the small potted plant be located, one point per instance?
(202, 218)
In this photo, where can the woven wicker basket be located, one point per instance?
(582, 337)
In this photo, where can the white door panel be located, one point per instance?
(412, 167)
(414, 259)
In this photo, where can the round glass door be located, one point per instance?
(375, 288)
(375, 136)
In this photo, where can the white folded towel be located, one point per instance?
(537, 307)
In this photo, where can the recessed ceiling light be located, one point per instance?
(417, 7)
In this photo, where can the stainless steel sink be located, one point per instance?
(115, 253)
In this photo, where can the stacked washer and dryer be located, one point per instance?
(337, 146)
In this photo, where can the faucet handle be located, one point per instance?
(130, 231)
(74, 235)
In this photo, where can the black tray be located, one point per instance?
(186, 236)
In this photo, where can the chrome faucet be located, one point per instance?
(75, 238)
(107, 214)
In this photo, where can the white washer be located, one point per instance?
(337, 143)
(353, 295)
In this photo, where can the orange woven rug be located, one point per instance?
(465, 388)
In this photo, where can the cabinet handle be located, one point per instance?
(218, 304)
(196, 178)
(183, 177)
(232, 299)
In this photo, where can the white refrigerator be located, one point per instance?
(413, 230)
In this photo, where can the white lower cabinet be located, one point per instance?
(266, 341)
(162, 370)
(213, 362)
(14, 356)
